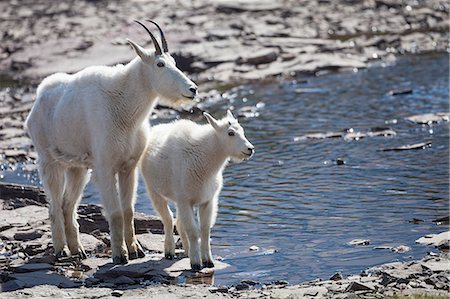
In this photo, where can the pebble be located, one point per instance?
(117, 293)
(253, 248)
(362, 242)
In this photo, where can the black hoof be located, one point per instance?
(208, 264)
(196, 267)
(140, 252)
(169, 256)
(137, 254)
(62, 254)
(120, 260)
(82, 254)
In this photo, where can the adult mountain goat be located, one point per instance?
(183, 163)
(98, 119)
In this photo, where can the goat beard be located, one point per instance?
(180, 102)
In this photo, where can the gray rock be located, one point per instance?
(362, 242)
(416, 146)
(259, 57)
(356, 286)
(117, 293)
(435, 239)
(32, 267)
(35, 278)
(429, 118)
(122, 280)
(336, 276)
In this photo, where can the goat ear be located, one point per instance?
(212, 121)
(138, 49)
(230, 115)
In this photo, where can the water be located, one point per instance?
(299, 207)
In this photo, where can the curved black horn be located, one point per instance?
(155, 42)
(163, 38)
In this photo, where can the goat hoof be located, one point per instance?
(62, 254)
(136, 255)
(169, 256)
(196, 267)
(140, 252)
(208, 264)
(82, 254)
(133, 255)
(120, 260)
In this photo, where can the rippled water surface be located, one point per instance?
(299, 207)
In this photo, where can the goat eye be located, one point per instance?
(160, 64)
(231, 133)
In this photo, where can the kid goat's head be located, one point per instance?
(162, 73)
(231, 137)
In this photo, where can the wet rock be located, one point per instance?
(320, 136)
(253, 248)
(429, 118)
(401, 91)
(340, 161)
(435, 239)
(416, 146)
(401, 249)
(415, 221)
(359, 242)
(385, 132)
(442, 220)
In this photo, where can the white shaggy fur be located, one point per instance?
(183, 163)
(98, 119)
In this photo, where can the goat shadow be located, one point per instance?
(101, 272)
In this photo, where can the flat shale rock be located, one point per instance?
(23, 216)
(407, 147)
(43, 277)
(429, 118)
(435, 239)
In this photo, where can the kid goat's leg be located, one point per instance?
(52, 176)
(207, 213)
(182, 233)
(186, 214)
(107, 185)
(76, 179)
(127, 189)
(162, 207)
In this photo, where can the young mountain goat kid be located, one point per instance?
(98, 119)
(183, 163)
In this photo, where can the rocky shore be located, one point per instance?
(29, 269)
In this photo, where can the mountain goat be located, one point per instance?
(183, 163)
(97, 119)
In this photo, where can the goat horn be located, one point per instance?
(163, 38)
(155, 42)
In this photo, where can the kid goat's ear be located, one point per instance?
(230, 115)
(141, 52)
(212, 121)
